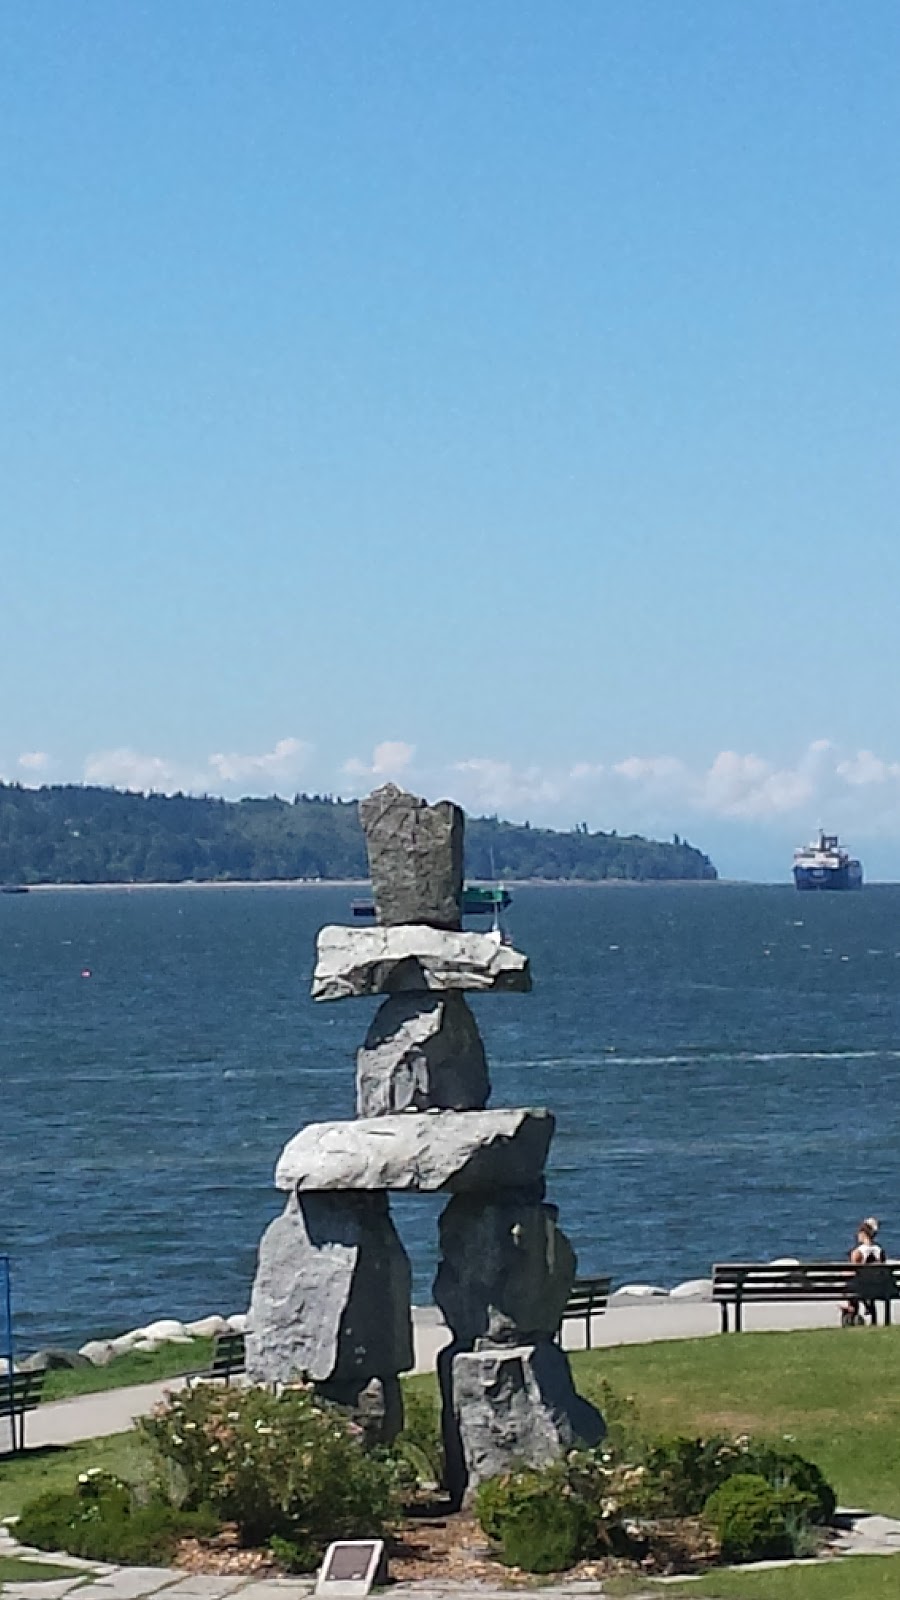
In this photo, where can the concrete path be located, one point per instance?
(114, 1411)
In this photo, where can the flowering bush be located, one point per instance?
(105, 1519)
(288, 1468)
(652, 1503)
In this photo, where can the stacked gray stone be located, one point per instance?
(331, 1299)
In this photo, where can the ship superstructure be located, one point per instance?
(825, 864)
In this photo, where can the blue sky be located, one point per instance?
(502, 396)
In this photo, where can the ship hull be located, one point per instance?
(848, 876)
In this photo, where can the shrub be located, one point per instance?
(420, 1443)
(539, 1525)
(102, 1520)
(748, 1519)
(288, 1466)
(679, 1475)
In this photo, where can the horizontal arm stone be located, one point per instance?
(352, 962)
(457, 1151)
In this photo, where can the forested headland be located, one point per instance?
(68, 833)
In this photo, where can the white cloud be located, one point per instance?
(664, 793)
(34, 761)
(283, 764)
(390, 759)
(126, 768)
(855, 792)
(278, 770)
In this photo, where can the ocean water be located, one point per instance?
(724, 1064)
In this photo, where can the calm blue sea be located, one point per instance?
(724, 1063)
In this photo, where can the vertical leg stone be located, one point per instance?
(331, 1298)
(506, 1269)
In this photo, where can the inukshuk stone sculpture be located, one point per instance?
(332, 1293)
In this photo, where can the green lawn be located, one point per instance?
(858, 1578)
(23, 1477)
(836, 1392)
(136, 1367)
(18, 1569)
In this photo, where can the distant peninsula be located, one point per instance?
(69, 833)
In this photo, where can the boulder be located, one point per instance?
(639, 1291)
(455, 1150)
(124, 1342)
(238, 1322)
(512, 1406)
(147, 1347)
(207, 1327)
(52, 1359)
(163, 1331)
(692, 1289)
(422, 1052)
(351, 962)
(99, 1352)
(505, 1272)
(331, 1298)
(415, 857)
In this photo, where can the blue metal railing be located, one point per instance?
(6, 1341)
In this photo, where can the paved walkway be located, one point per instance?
(114, 1411)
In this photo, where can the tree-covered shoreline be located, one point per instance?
(69, 833)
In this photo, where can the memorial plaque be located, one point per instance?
(352, 1566)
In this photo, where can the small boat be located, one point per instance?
(13, 888)
(479, 900)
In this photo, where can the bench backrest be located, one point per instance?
(809, 1280)
(229, 1354)
(25, 1389)
(587, 1294)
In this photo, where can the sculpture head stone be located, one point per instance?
(415, 857)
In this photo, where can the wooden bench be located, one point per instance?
(740, 1283)
(229, 1357)
(589, 1298)
(19, 1393)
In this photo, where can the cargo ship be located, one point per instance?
(825, 864)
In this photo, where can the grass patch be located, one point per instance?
(856, 1578)
(19, 1569)
(835, 1393)
(57, 1467)
(138, 1366)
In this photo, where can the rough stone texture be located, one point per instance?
(331, 1297)
(515, 1404)
(506, 1270)
(351, 962)
(458, 1151)
(52, 1359)
(415, 857)
(377, 1406)
(422, 1053)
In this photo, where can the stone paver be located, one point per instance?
(205, 1586)
(130, 1583)
(39, 1591)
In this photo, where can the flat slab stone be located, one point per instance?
(459, 1151)
(352, 962)
(415, 857)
